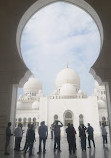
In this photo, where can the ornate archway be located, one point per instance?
(68, 117)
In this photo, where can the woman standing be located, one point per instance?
(83, 137)
(71, 138)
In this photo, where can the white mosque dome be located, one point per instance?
(80, 92)
(55, 92)
(67, 90)
(40, 91)
(35, 105)
(67, 76)
(32, 85)
(96, 84)
(101, 104)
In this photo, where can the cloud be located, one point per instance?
(58, 34)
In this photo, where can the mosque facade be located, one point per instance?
(67, 103)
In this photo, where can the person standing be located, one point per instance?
(90, 132)
(75, 136)
(8, 135)
(18, 137)
(26, 141)
(104, 134)
(83, 137)
(71, 138)
(43, 134)
(79, 128)
(51, 130)
(57, 132)
(30, 140)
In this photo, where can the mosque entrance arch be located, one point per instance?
(68, 117)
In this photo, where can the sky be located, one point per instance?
(57, 35)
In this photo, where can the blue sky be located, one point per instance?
(58, 34)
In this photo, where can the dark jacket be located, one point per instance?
(8, 133)
(31, 135)
(70, 134)
(43, 131)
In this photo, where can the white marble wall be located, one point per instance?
(88, 107)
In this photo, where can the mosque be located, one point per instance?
(67, 103)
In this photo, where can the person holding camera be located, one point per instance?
(56, 128)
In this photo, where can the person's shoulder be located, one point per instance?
(7, 128)
(45, 126)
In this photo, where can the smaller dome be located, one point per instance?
(96, 84)
(32, 85)
(80, 92)
(35, 105)
(54, 92)
(101, 104)
(67, 90)
(40, 91)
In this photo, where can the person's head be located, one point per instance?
(68, 124)
(72, 125)
(42, 123)
(29, 125)
(82, 125)
(88, 124)
(19, 125)
(9, 124)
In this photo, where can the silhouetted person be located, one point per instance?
(8, 135)
(104, 134)
(26, 141)
(71, 138)
(51, 130)
(43, 134)
(18, 137)
(57, 132)
(75, 136)
(83, 137)
(79, 128)
(30, 140)
(90, 132)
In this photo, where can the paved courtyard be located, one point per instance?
(98, 152)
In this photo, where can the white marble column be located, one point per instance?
(108, 98)
(13, 112)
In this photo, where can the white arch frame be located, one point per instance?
(42, 3)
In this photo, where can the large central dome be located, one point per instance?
(67, 76)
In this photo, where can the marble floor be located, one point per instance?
(98, 152)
